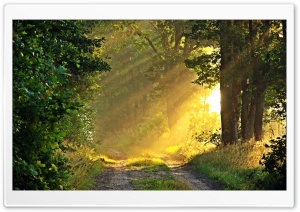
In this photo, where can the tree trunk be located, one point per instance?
(235, 108)
(260, 85)
(248, 96)
(228, 114)
(225, 111)
(228, 88)
(258, 125)
(247, 113)
(172, 112)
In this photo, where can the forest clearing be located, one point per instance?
(149, 105)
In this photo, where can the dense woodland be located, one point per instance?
(133, 86)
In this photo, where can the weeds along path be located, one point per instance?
(194, 180)
(121, 177)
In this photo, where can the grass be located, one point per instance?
(87, 182)
(236, 166)
(147, 162)
(193, 148)
(85, 165)
(160, 184)
(165, 182)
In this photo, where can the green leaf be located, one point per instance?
(32, 170)
(62, 79)
(53, 167)
(61, 69)
(53, 145)
(40, 164)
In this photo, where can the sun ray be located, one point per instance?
(214, 100)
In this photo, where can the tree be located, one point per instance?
(252, 61)
(220, 66)
(48, 56)
(171, 43)
(264, 40)
(229, 80)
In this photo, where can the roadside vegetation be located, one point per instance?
(85, 163)
(148, 94)
(246, 166)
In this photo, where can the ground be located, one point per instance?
(121, 177)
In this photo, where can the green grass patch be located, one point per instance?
(87, 181)
(147, 163)
(231, 178)
(236, 167)
(160, 184)
(165, 182)
(85, 164)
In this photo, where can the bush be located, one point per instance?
(274, 163)
(210, 137)
(48, 60)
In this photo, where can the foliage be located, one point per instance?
(200, 124)
(205, 29)
(205, 63)
(274, 163)
(234, 166)
(152, 127)
(253, 64)
(210, 137)
(85, 164)
(79, 127)
(47, 57)
(207, 67)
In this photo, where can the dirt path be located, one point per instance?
(195, 180)
(121, 177)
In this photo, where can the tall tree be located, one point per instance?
(172, 44)
(248, 99)
(263, 42)
(252, 60)
(228, 83)
(47, 57)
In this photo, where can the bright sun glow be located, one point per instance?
(214, 100)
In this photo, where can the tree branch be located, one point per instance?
(178, 36)
(149, 42)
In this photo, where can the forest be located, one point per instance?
(90, 95)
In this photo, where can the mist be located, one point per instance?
(148, 107)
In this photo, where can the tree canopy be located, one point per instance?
(48, 56)
(139, 82)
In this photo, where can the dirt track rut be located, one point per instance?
(120, 178)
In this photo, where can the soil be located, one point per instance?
(120, 177)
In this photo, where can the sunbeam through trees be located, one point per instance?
(94, 94)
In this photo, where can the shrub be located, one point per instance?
(274, 163)
(210, 137)
(48, 61)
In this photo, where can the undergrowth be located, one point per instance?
(85, 164)
(236, 166)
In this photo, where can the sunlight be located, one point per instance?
(214, 100)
